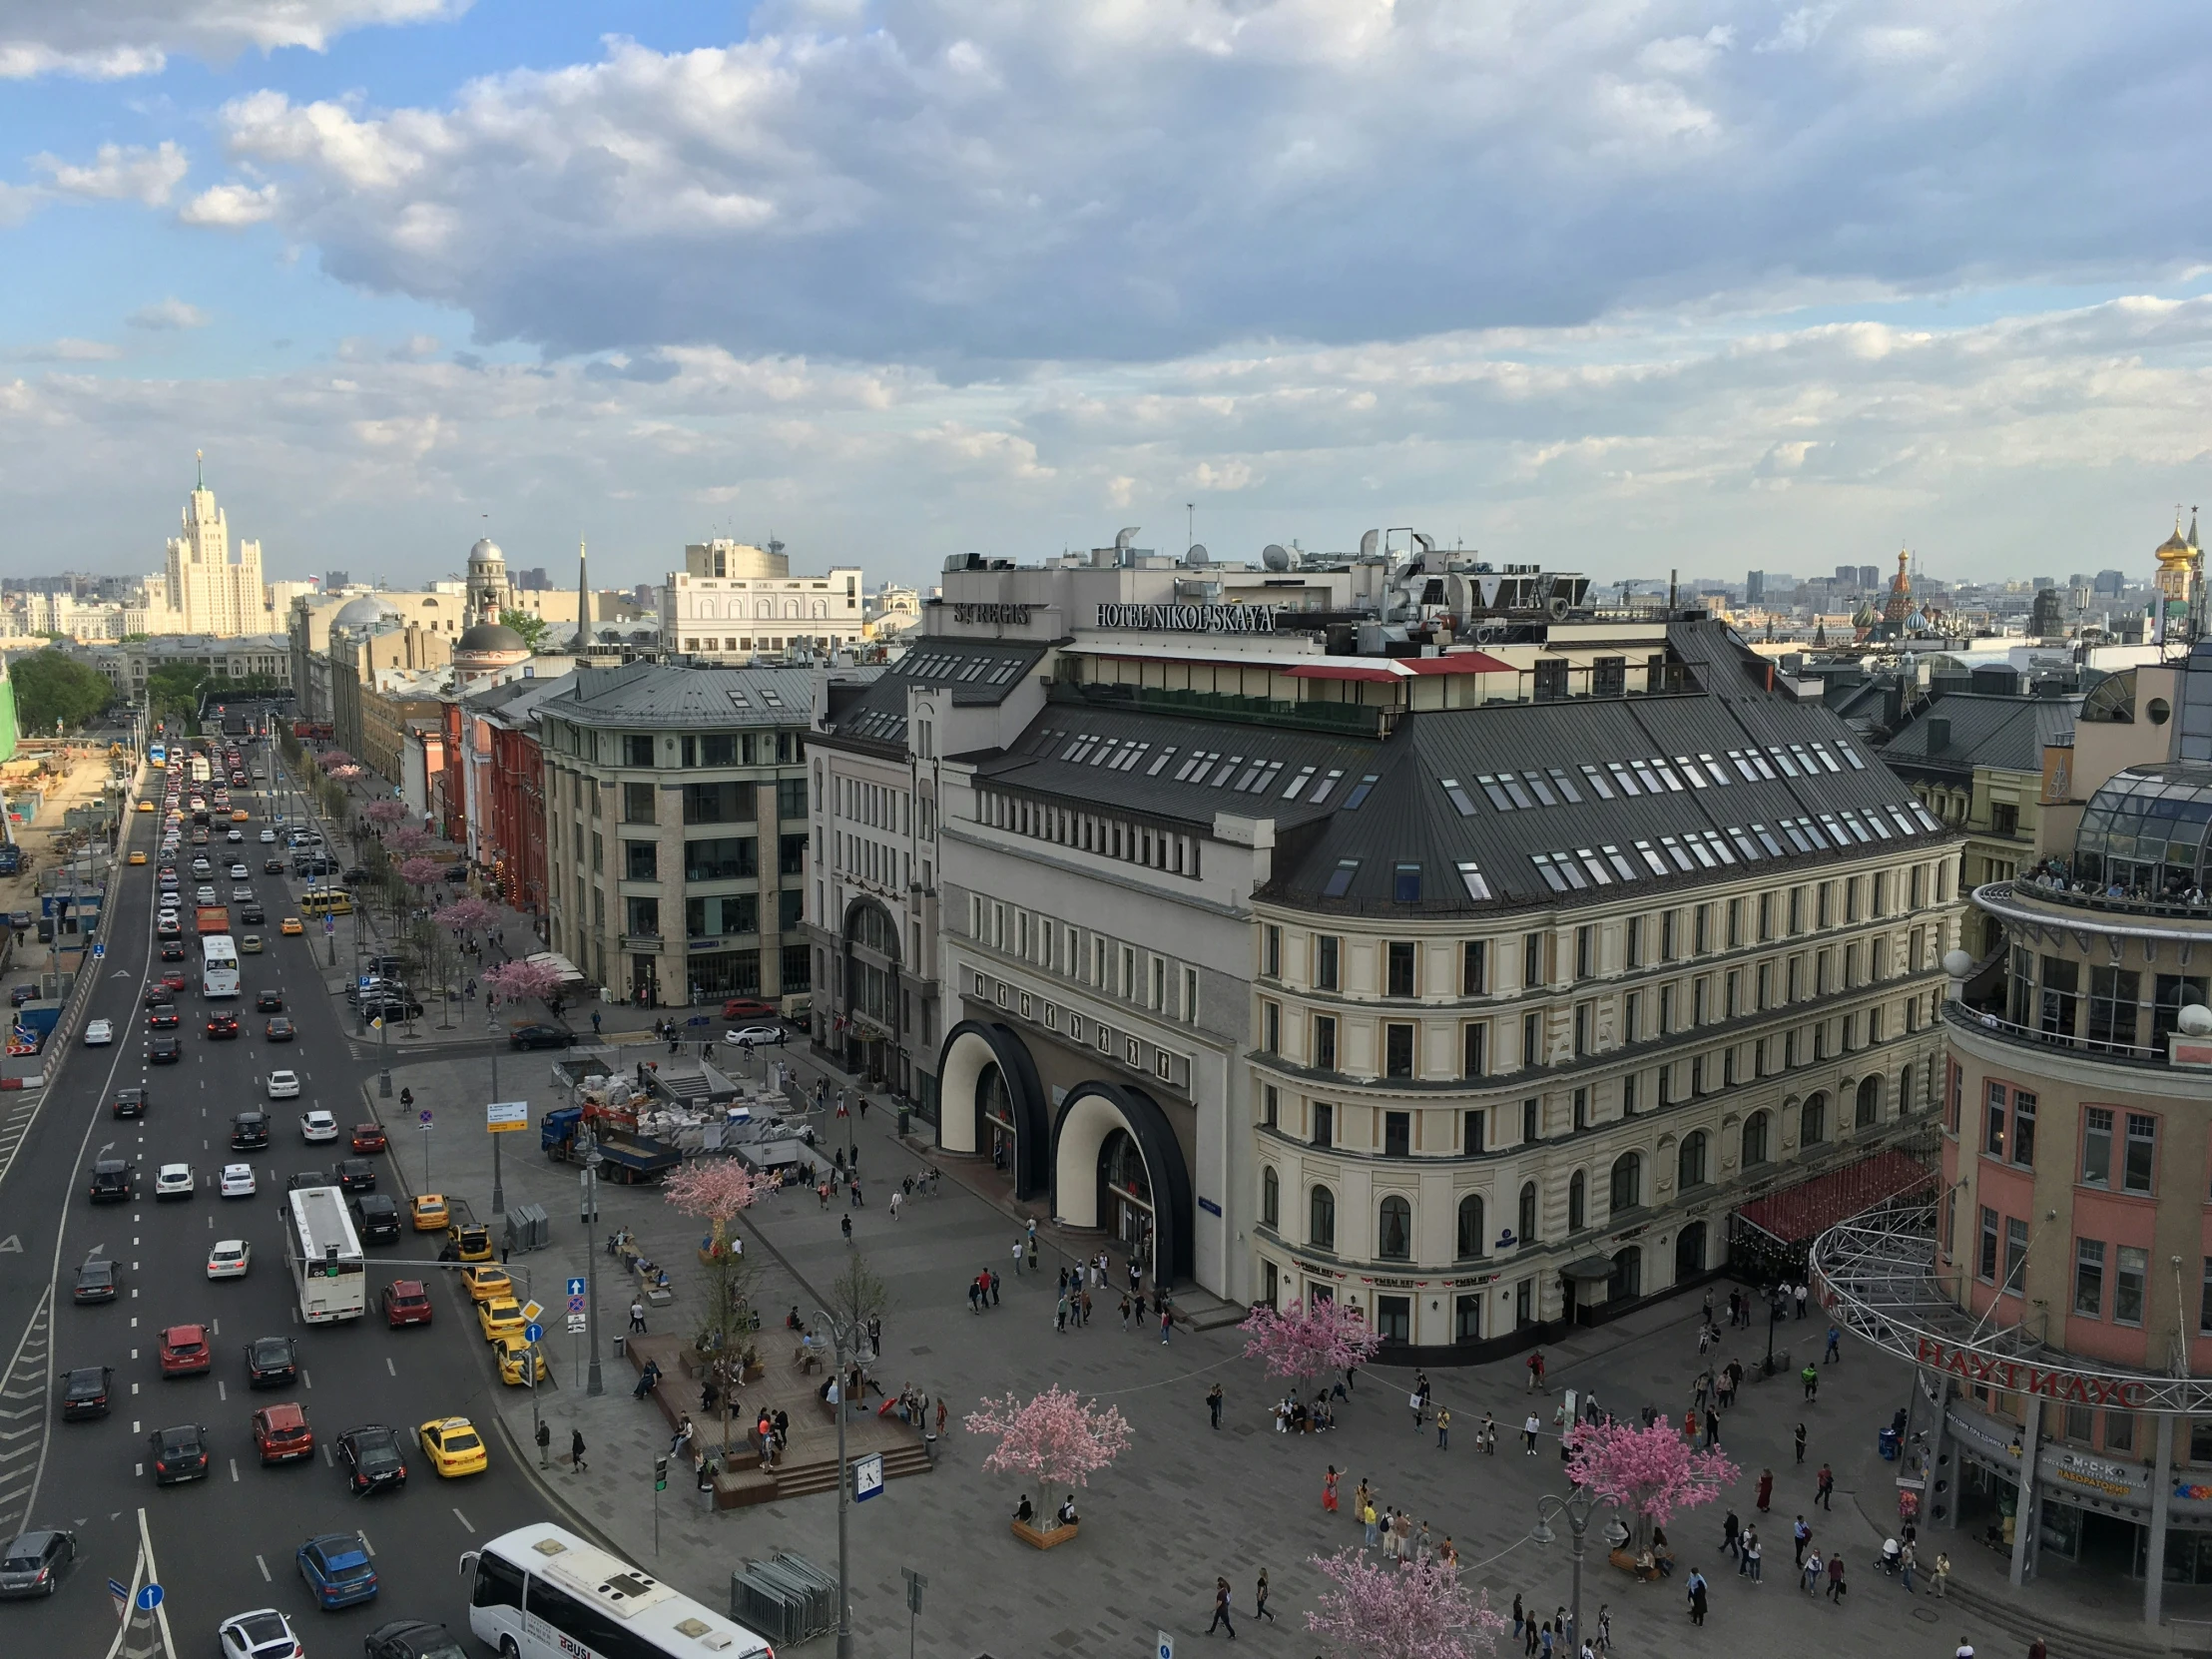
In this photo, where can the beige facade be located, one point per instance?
(204, 590)
(734, 600)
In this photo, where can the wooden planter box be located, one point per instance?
(1052, 1539)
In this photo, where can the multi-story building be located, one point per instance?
(502, 774)
(675, 830)
(203, 591)
(370, 651)
(1304, 947)
(259, 661)
(734, 600)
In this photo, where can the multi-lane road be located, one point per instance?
(224, 1544)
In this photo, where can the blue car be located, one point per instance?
(336, 1567)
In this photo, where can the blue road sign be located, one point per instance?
(98, 951)
(576, 1304)
(121, 1591)
(365, 982)
(575, 1286)
(534, 1332)
(149, 1597)
(426, 1117)
(330, 925)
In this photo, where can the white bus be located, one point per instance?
(219, 955)
(326, 1256)
(542, 1593)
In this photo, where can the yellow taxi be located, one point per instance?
(146, 806)
(454, 1447)
(514, 1361)
(239, 814)
(290, 928)
(138, 857)
(428, 1211)
(500, 1316)
(485, 1283)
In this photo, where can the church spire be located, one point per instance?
(583, 602)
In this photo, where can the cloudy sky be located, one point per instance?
(1614, 286)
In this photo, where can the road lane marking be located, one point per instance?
(306, 1378)
(463, 1520)
(264, 1565)
(134, 1386)
(136, 1428)
(234, 1472)
(137, 1470)
(389, 1367)
(329, 1462)
(221, 1390)
(215, 1326)
(369, 1548)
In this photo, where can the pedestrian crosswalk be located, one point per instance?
(23, 1418)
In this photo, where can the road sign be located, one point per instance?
(120, 1590)
(533, 1333)
(149, 1597)
(366, 981)
(868, 1476)
(377, 1023)
(330, 925)
(533, 1310)
(426, 1117)
(504, 1116)
(1164, 1646)
(575, 1286)
(576, 1304)
(576, 1325)
(99, 953)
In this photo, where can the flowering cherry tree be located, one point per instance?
(467, 912)
(410, 837)
(345, 774)
(1057, 1438)
(1653, 1471)
(714, 1189)
(420, 873)
(1311, 1337)
(517, 980)
(331, 759)
(383, 813)
(1381, 1609)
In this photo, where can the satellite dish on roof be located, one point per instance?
(1274, 556)
(1197, 555)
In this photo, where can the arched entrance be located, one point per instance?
(869, 981)
(1117, 1167)
(991, 1104)
(1689, 1252)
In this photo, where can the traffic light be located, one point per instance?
(660, 1475)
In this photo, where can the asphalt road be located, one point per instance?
(224, 1544)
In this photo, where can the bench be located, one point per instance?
(1626, 1561)
(1052, 1538)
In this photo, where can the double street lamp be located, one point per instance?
(1576, 1510)
(841, 1333)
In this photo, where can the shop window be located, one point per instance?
(2200, 1440)
(2119, 1432)
(1393, 1317)
(1466, 1318)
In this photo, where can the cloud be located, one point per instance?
(231, 207)
(67, 352)
(120, 172)
(114, 39)
(169, 313)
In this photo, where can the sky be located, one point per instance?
(1620, 287)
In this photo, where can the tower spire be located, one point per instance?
(583, 602)
(199, 469)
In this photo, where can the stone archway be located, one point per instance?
(868, 961)
(1117, 1166)
(987, 1085)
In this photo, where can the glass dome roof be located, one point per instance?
(2148, 828)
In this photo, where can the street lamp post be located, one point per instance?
(594, 1384)
(840, 1335)
(1576, 1508)
(499, 1192)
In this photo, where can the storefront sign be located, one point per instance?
(1015, 616)
(2113, 1480)
(2015, 1376)
(1209, 1206)
(2194, 1491)
(1191, 619)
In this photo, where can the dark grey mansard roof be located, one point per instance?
(974, 670)
(1686, 788)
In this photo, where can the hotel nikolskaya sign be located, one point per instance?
(1191, 619)
(2016, 1377)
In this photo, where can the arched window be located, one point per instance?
(822, 608)
(1471, 1239)
(1529, 1214)
(1628, 1182)
(1271, 1197)
(1579, 1202)
(1321, 1219)
(1394, 1235)
(707, 610)
(791, 610)
(1813, 1120)
(1690, 1164)
(1869, 1111)
(1756, 1150)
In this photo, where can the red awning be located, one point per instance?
(1456, 662)
(1399, 667)
(1338, 667)
(1801, 1214)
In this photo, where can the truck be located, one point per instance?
(628, 1157)
(213, 919)
(11, 858)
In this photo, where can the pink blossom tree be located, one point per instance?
(410, 837)
(333, 757)
(1057, 1437)
(716, 1190)
(515, 982)
(1653, 1471)
(1313, 1337)
(345, 774)
(467, 912)
(1401, 1610)
(420, 873)
(384, 814)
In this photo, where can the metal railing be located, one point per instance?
(1995, 1025)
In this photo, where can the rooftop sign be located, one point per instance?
(1013, 615)
(1191, 619)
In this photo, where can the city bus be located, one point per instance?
(335, 901)
(158, 753)
(326, 1256)
(541, 1594)
(218, 956)
(196, 769)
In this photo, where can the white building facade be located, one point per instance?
(734, 600)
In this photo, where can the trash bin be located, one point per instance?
(930, 1444)
(1889, 1445)
(903, 1120)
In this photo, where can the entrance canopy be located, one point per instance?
(1798, 1214)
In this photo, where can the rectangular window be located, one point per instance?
(1474, 1050)
(643, 919)
(1532, 959)
(1473, 969)
(791, 856)
(2113, 993)
(1633, 943)
(641, 861)
(638, 803)
(2142, 1151)
(1585, 952)
(1988, 1268)
(1993, 1122)
(1398, 1134)
(791, 792)
(2015, 1252)
(2120, 1429)
(598, 853)
(1324, 1042)
(2089, 1298)
(706, 918)
(1529, 1126)
(637, 751)
(1399, 967)
(1531, 1039)
(2023, 1129)
(725, 858)
(1628, 1095)
(2130, 1271)
(1397, 1051)
(1325, 950)
(1472, 1126)
(1271, 952)
(718, 802)
(1324, 1124)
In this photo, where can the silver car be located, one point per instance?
(33, 1564)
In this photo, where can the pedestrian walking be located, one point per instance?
(845, 1223)
(1443, 1428)
(1804, 1536)
(1811, 1377)
(636, 1314)
(1167, 1319)
(1125, 1311)
(1823, 1487)
(576, 1451)
(1220, 1609)
(1604, 1642)
(1801, 1443)
(1060, 1314)
(1802, 1293)
(1731, 1534)
(1328, 1491)
(1712, 1430)
(1836, 1584)
(1754, 1553)
(1017, 1258)
(1833, 1354)
(896, 1198)
(2036, 1649)
(1766, 1490)
(1689, 1424)
(1360, 1501)
(1908, 1559)
(1529, 1431)
(1213, 1404)
(1536, 1364)
(1814, 1567)
(1260, 1598)
(1486, 1435)
(1695, 1585)
(1964, 1649)
(1939, 1580)
(995, 1283)
(1368, 1521)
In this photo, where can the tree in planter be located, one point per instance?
(1401, 1610)
(714, 1189)
(515, 982)
(1057, 1438)
(1311, 1339)
(1653, 1471)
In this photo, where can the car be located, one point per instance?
(169, 928)
(237, 1181)
(99, 1033)
(373, 1457)
(250, 944)
(268, 838)
(230, 1258)
(163, 1016)
(136, 857)
(96, 1280)
(32, 1564)
(221, 1027)
(270, 1001)
(273, 867)
(485, 1283)
(164, 1051)
(184, 1350)
(427, 1211)
(498, 1317)
(540, 1036)
(250, 911)
(406, 1302)
(369, 1137)
(248, 1130)
(454, 1448)
(173, 950)
(375, 1217)
(314, 1126)
(337, 1569)
(201, 866)
(263, 1633)
(757, 1036)
(272, 1362)
(173, 1180)
(279, 1029)
(282, 1433)
(411, 1639)
(238, 873)
(383, 964)
(300, 1180)
(514, 1355)
(747, 1007)
(110, 1181)
(85, 1392)
(178, 1454)
(130, 1103)
(239, 814)
(172, 980)
(390, 1008)
(204, 894)
(290, 928)
(233, 835)
(25, 992)
(356, 1175)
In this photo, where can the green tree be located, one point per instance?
(51, 686)
(531, 628)
(174, 688)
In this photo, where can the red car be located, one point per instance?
(174, 979)
(749, 1007)
(185, 1350)
(406, 1303)
(282, 1433)
(368, 1137)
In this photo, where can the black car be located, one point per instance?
(173, 950)
(96, 1280)
(25, 992)
(376, 1218)
(307, 1178)
(389, 1008)
(268, 1003)
(110, 1181)
(279, 1029)
(272, 1362)
(163, 1016)
(252, 915)
(180, 1453)
(221, 1027)
(164, 1051)
(85, 1392)
(248, 1130)
(273, 867)
(373, 1457)
(411, 1639)
(381, 964)
(356, 874)
(33, 1563)
(356, 1175)
(540, 1036)
(130, 1103)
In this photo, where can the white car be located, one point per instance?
(206, 895)
(173, 1180)
(238, 1181)
(262, 1634)
(269, 838)
(99, 1033)
(238, 873)
(233, 835)
(314, 1126)
(230, 1259)
(756, 1037)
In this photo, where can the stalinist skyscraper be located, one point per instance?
(207, 593)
